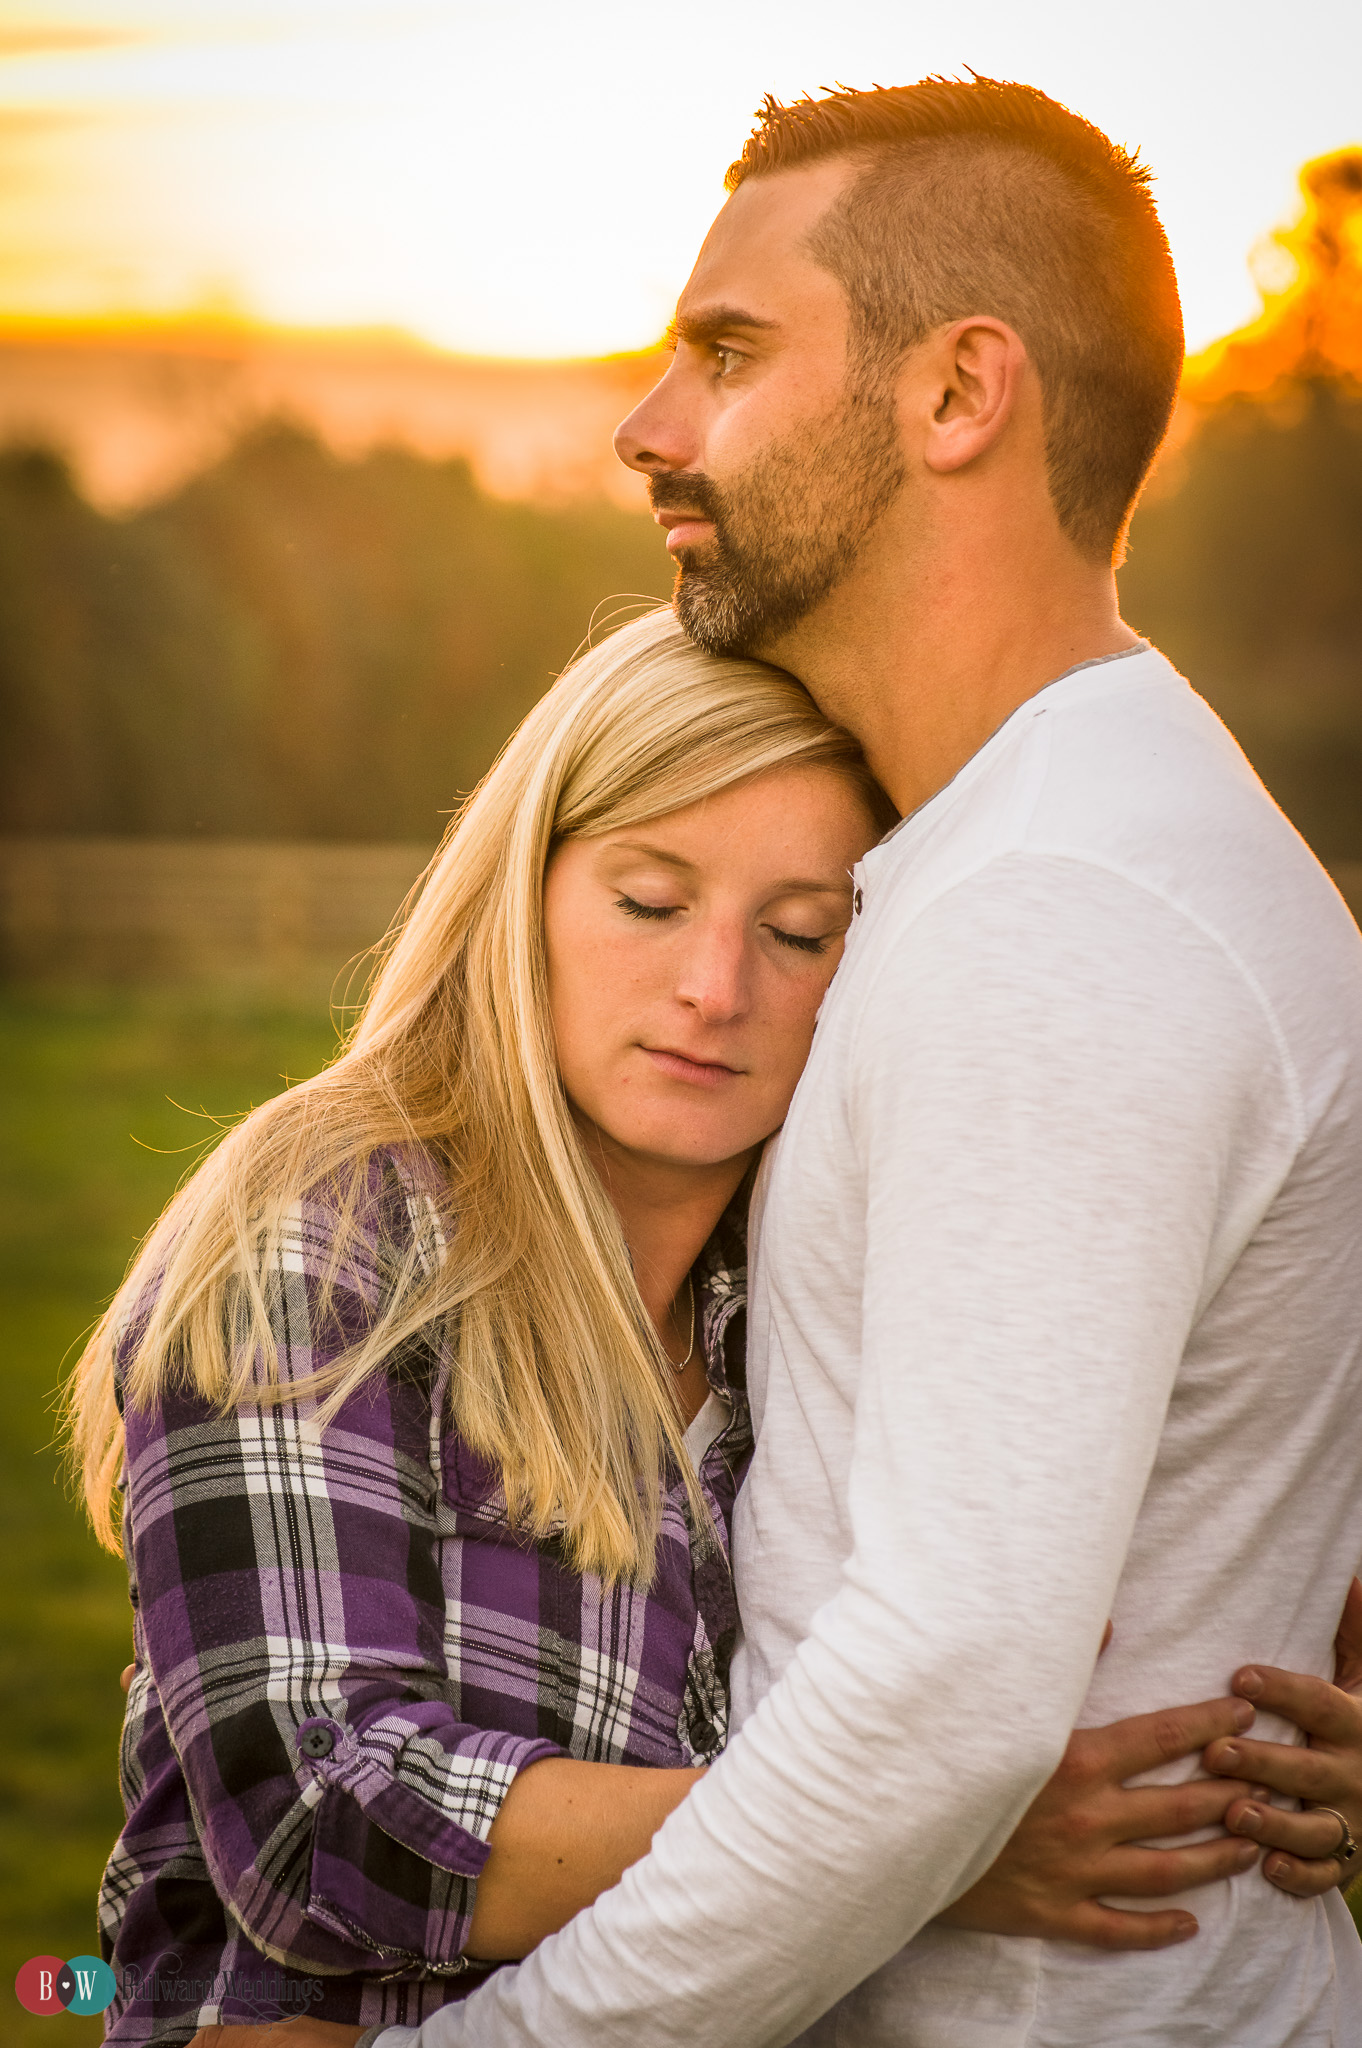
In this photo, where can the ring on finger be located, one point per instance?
(1346, 1848)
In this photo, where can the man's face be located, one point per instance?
(770, 455)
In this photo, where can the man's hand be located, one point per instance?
(1326, 1771)
(1082, 1838)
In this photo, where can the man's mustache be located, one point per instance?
(686, 490)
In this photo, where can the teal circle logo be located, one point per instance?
(47, 1985)
(93, 1984)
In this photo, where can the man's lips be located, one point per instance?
(681, 1067)
(684, 529)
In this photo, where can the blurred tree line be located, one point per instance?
(292, 646)
(298, 646)
(1247, 572)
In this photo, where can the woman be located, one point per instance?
(427, 1393)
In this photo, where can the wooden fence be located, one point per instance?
(203, 910)
(164, 909)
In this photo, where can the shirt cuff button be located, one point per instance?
(316, 1739)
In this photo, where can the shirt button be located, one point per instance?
(316, 1739)
(857, 900)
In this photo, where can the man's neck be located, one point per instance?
(923, 668)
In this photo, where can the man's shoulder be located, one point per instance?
(1125, 771)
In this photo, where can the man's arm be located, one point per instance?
(1054, 1084)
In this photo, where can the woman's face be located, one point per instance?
(688, 956)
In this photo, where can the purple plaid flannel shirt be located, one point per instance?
(344, 1655)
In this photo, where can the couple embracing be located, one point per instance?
(626, 1475)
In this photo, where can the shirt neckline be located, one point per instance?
(1031, 705)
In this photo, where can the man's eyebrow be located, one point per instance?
(710, 322)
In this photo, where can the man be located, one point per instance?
(1057, 1310)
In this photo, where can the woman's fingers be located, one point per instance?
(1157, 1873)
(127, 1675)
(1144, 1741)
(1303, 1879)
(1108, 1927)
(1320, 1709)
(1308, 1835)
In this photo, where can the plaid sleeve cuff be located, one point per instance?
(438, 1801)
(394, 1796)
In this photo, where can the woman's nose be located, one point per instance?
(715, 978)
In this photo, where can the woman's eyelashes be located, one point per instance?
(798, 940)
(658, 913)
(655, 912)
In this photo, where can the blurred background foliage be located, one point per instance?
(292, 646)
(1245, 567)
(297, 646)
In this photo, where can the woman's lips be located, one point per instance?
(705, 1073)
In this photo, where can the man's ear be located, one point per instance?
(974, 373)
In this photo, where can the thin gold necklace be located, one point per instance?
(690, 1348)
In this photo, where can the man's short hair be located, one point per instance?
(990, 198)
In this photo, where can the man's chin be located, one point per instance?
(709, 613)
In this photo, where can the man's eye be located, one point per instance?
(727, 358)
(653, 911)
(800, 943)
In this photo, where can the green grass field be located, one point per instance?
(93, 1146)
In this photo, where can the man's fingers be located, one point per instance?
(1299, 1773)
(1148, 1812)
(1316, 1707)
(1141, 1743)
(1158, 1873)
(1308, 1835)
(1107, 1927)
(127, 1675)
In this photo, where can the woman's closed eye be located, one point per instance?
(651, 911)
(658, 913)
(800, 941)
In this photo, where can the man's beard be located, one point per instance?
(787, 531)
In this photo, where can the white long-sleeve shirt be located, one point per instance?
(1057, 1313)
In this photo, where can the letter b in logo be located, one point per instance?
(35, 1987)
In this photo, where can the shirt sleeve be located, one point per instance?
(1059, 1097)
(293, 1612)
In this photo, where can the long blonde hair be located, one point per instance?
(556, 1379)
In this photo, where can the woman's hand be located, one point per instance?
(1082, 1838)
(302, 2031)
(1326, 1772)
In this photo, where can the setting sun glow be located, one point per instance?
(531, 180)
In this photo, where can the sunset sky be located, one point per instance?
(527, 178)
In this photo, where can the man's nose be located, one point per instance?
(653, 437)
